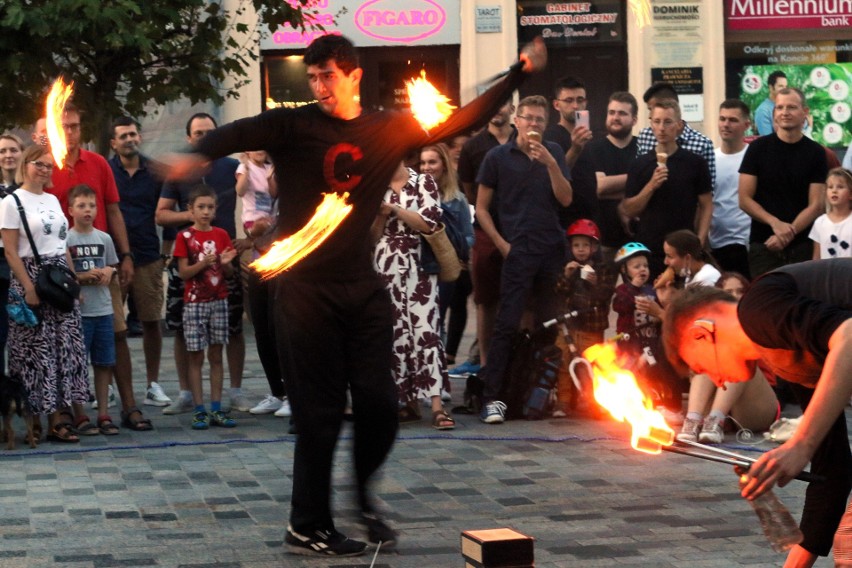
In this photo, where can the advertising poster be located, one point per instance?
(828, 92)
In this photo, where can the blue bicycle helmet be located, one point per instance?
(630, 250)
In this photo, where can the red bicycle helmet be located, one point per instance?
(585, 228)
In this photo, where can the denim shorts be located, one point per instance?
(100, 340)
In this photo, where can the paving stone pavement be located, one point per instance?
(176, 497)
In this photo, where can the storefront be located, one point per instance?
(396, 39)
(810, 43)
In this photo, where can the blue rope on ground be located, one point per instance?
(292, 438)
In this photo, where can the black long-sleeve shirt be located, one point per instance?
(315, 153)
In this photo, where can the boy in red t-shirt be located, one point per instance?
(204, 254)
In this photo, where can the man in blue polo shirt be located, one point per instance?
(139, 191)
(530, 180)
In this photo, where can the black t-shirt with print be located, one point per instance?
(315, 153)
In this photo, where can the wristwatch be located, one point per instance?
(124, 255)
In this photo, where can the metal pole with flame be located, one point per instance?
(618, 392)
(54, 107)
(430, 107)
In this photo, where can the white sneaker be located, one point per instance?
(180, 406)
(110, 399)
(155, 396)
(711, 431)
(285, 409)
(689, 431)
(446, 396)
(267, 405)
(240, 402)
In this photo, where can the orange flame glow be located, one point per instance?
(641, 11)
(56, 99)
(429, 106)
(617, 391)
(287, 252)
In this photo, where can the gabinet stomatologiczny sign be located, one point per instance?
(568, 23)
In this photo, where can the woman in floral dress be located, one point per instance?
(411, 206)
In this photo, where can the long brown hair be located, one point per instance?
(449, 184)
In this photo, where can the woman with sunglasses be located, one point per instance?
(48, 358)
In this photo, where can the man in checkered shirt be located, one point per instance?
(690, 139)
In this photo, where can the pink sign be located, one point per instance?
(385, 20)
(788, 14)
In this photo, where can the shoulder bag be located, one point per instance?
(55, 284)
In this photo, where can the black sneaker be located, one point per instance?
(378, 531)
(323, 542)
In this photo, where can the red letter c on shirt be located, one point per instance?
(331, 158)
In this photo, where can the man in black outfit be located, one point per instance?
(331, 306)
(610, 158)
(666, 188)
(796, 320)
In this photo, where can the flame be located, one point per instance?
(617, 391)
(429, 106)
(642, 11)
(55, 105)
(287, 252)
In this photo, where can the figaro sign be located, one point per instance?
(370, 23)
(385, 20)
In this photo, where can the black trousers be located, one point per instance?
(260, 307)
(825, 502)
(333, 336)
(527, 275)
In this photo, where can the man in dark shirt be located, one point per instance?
(533, 173)
(667, 187)
(797, 321)
(782, 184)
(139, 191)
(570, 97)
(333, 314)
(610, 158)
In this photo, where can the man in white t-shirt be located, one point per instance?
(730, 225)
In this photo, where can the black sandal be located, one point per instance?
(106, 426)
(84, 427)
(63, 433)
(141, 425)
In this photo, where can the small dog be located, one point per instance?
(12, 397)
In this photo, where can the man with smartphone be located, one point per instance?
(572, 132)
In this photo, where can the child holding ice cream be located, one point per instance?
(586, 286)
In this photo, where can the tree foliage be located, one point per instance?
(125, 54)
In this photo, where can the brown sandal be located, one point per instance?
(442, 421)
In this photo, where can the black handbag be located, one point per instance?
(56, 285)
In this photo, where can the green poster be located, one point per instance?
(828, 92)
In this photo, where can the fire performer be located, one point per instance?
(797, 321)
(333, 315)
